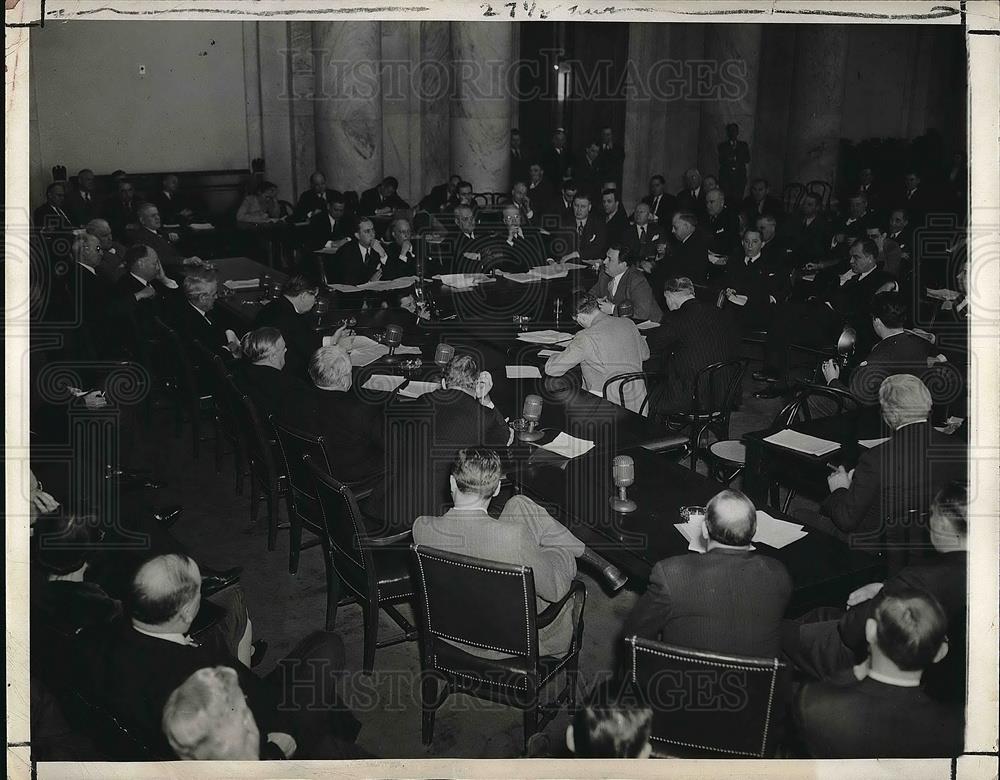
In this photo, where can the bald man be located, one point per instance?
(112, 265)
(726, 600)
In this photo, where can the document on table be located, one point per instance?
(739, 300)
(462, 280)
(242, 284)
(549, 352)
(545, 337)
(556, 271)
(648, 325)
(520, 278)
(365, 350)
(777, 533)
(383, 382)
(201, 226)
(691, 530)
(942, 294)
(390, 284)
(568, 446)
(803, 442)
(523, 372)
(869, 443)
(417, 389)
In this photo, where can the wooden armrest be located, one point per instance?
(552, 611)
(389, 541)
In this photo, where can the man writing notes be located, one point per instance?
(620, 281)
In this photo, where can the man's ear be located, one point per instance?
(497, 491)
(871, 631)
(452, 483)
(941, 653)
(569, 739)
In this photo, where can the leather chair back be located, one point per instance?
(260, 452)
(707, 703)
(468, 600)
(295, 444)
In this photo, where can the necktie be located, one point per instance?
(579, 229)
(642, 232)
(656, 203)
(86, 197)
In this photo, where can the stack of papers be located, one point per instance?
(803, 442)
(568, 446)
(691, 530)
(390, 284)
(545, 337)
(869, 443)
(201, 226)
(777, 533)
(417, 389)
(365, 350)
(242, 284)
(383, 382)
(462, 280)
(523, 372)
(555, 271)
(519, 278)
(943, 294)
(647, 325)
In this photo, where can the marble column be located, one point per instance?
(817, 103)
(684, 80)
(646, 110)
(767, 153)
(348, 103)
(303, 118)
(432, 87)
(273, 52)
(734, 52)
(481, 116)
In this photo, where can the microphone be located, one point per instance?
(611, 573)
(443, 355)
(623, 470)
(393, 338)
(531, 412)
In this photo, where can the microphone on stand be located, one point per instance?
(393, 338)
(611, 573)
(443, 355)
(532, 413)
(623, 469)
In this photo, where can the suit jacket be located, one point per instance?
(300, 338)
(811, 241)
(694, 336)
(119, 215)
(159, 243)
(397, 266)
(844, 718)
(81, 210)
(474, 243)
(733, 160)
(723, 232)
(588, 177)
(632, 287)
(372, 200)
(321, 230)
(524, 534)
(518, 256)
(518, 166)
(852, 301)
(688, 258)
(268, 388)
(611, 162)
(899, 475)
(310, 202)
(99, 312)
(778, 253)
(609, 347)
(664, 209)
(347, 266)
(135, 318)
(592, 243)
(191, 325)
(759, 282)
(557, 164)
(169, 207)
(904, 353)
(438, 199)
(943, 577)
(753, 210)
(542, 194)
(723, 601)
(616, 225)
(688, 200)
(646, 246)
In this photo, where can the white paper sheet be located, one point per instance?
(942, 294)
(523, 372)
(544, 337)
(461, 280)
(417, 389)
(520, 278)
(568, 446)
(549, 352)
(391, 284)
(869, 443)
(242, 284)
(777, 533)
(802, 442)
(739, 300)
(549, 272)
(648, 325)
(201, 226)
(365, 351)
(383, 382)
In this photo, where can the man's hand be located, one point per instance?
(483, 386)
(146, 292)
(864, 593)
(831, 370)
(343, 337)
(606, 306)
(95, 399)
(811, 267)
(406, 247)
(379, 250)
(42, 502)
(840, 479)
(284, 742)
(471, 256)
(196, 261)
(570, 256)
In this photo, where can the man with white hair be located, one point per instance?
(259, 373)
(194, 319)
(113, 252)
(894, 477)
(150, 233)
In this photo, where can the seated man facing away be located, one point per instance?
(605, 728)
(260, 372)
(606, 347)
(289, 314)
(726, 600)
(523, 534)
(878, 709)
(133, 668)
(620, 281)
(207, 719)
(896, 476)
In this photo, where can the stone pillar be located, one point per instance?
(684, 79)
(348, 103)
(767, 154)
(481, 117)
(432, 87)
(817, 102)
(734, 51)
(646, 110)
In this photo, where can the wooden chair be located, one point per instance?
(791, 197)
(188, 396)
(739, 699)
(822, 190)
(225, 419)
(376, 572)
(716, 392)
(669, 443)
(490, 605)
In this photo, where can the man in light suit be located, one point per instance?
(605, 348)
(620, 281)
(523, 534)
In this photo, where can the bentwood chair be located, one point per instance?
(715, 393)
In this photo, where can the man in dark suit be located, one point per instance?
(557, 160)
(194, 319)
(916, 198)
(893, 478)
(134, 668)
(900, 232)
(442, 197)
(812, 236)
(316, 198)
(518, 158)
(425, 436)
(588, 174)
(94, 301)
(141, 294)
(642, 239)
(259, 373)
(382, 200)
(688, 252)
(119, 209)
(330, 228)
(560, 210)
(150, 232)
(662, 205)
(615, 218)
(468, 242)
(516, 248)
(173, 209)
(81, 202)
(692, 197)
(619, 282)
(539, 187)
(51, 216)
(358, 260)
(751, 286)
(588, 237)
(879, 709)
(728, 600)
(852, 226)
(776, 251)
(531, 213)
(760, 202)
(611, 157)
(290, 315)
(734, 157)
(721, 228)
(404, 256)
(112, 252)
(691, 336)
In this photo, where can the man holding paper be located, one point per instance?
(606, 347)
(621, 281)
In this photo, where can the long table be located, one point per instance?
(576, 491)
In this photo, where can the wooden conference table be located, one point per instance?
(576, 491)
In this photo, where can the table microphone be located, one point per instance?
(443, 355)
(532, 413)
(611, 573)
(623, 469)
(393, 338)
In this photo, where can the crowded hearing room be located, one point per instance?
(498, 388)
